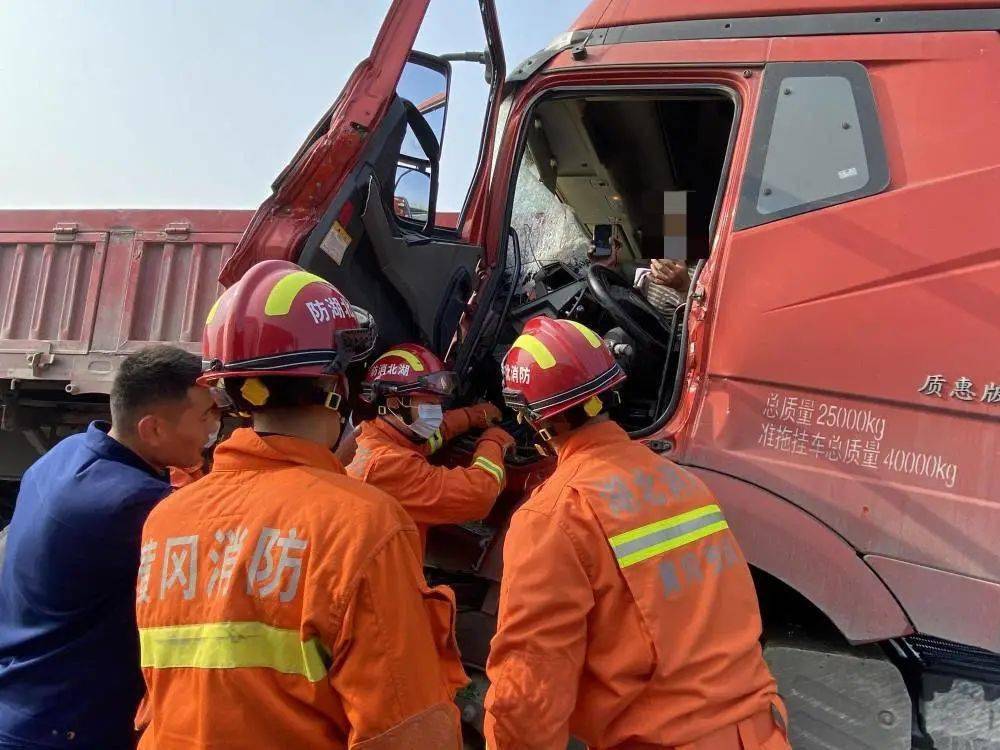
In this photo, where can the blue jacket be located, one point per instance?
(69, 649)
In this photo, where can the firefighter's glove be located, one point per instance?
(460, 421)
(483, 415)
(499, 437)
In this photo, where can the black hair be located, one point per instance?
(577, 417)
(155, 375)
(282, 392)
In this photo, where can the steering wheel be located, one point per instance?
(628, 307)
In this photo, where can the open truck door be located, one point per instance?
(357, 203)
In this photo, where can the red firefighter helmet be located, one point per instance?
(555, 365)
(407, 370)
(281, 320)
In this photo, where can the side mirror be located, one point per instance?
(425, 83)
(424, 86)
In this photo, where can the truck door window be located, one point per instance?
(816, 142)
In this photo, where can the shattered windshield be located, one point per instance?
(547, 228)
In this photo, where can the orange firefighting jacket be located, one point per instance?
(627, 613)
(282, 604)
(432, 495)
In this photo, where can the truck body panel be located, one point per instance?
(622, 12)
(84, 288)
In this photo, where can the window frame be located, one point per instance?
(856, 75)
(473, 342)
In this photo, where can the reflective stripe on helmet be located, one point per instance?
(594, 340)
(278, 361)
(536, 349)
(280, 298)
(581, 390)
(411, 359)
(231, 645)
(647, 541)
(489, 467)
(211, 311)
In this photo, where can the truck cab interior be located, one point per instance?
(647, 164)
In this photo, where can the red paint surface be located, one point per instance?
(854, 306)
(849, 307)
(945, 601)
(605, 13)
(120, 282)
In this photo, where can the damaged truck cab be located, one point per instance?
(829, 173)
(830, 371)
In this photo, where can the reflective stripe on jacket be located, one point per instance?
(282, 604)
(431, 495)
(627, 613)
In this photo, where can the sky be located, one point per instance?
(193, 104)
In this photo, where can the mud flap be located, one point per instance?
(840, 697)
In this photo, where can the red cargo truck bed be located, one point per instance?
(80, 289)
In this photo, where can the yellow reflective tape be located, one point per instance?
(536, 349)
(435, 441)
(231, 645)
(666, 546)
(254, 391)
(407, 357)
(281, 297)
(593, 407)
(211, 312)
(488, 466)
(628, 536)
(593, 338)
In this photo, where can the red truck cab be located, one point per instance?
(831, 372)
(829, 171)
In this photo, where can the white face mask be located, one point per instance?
(429, 418)
(213, 438)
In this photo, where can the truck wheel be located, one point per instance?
(961, 713)
(958, 689)
(840, 698)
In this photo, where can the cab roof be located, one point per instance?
(608, 13)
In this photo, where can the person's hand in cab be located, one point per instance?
(671, 273)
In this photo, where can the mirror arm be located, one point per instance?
(484, 58)
(472, 56)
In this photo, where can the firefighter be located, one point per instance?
(627, 617)
(280, 602)
(409, 384)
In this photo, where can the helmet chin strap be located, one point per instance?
(542, 430)
(396, 420)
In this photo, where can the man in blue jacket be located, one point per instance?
(69, 651)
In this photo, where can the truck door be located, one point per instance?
(358, 202)
(852, 365)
